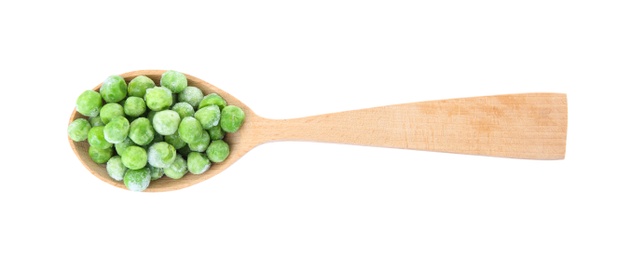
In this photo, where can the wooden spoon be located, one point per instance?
(528, 126)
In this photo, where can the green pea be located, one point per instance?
(208, 116)
(175, 140)
(166, 122)
(96, 138)
(89, 103)
(158, 98)
(120, 147)
(111, 110)
(197, 163)
(218, 151)
(161, 154)
(96, 121)
(117, 130)
(99, 155)
(137, 179)
(155, 172)
(138, 86)
(216, 133)
(184, 151)
(150, 115)
(115, 168)
(78, 130)
(174, 80)
(141, 132)
(191, 95)
(134, 157)
(190, 129)
(177, 169)
(183, 109)
(134, 106)
(113, 89)
(200, 144)
(213, 99)
(232, 118)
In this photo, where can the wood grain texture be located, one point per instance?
(528, 126)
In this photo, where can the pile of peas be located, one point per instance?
(142, 131)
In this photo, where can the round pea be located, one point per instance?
(174, 80)
(216, 133)
(141, 132)
(89, 103)
(137, 179)
(113, 89)
(161, 154)
(213, 99)
(177, 169)
(197, 163)
(191, 95)
(200, 144)
(218, 151)
(78, 130)
(175, 140)
(190, 129)
(115, 168)
(166, 122)
(155, 172)
(96, 121)
(232, 118)
(134, 157)
(183, 109)
(100, 155)
(117, 130)
(96, 138)
(158, 98)
(120, 147)
(111, 110)
(138, 86)
(208, 116)
(134, 106)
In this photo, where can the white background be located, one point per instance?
(300, 200)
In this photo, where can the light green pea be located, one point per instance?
(177, 169)
(191, 95)
(197, 163)
(218, 151)
(117, 130)
(166, 122)
(216, 133)
(113, 89)
(89, 103)
(175, 140)
(208, 116)
(158, 98)
(78, 130)
(137, 179)
(213, 99)
(141, 132)
(232, 118)
(96, 138)
(190, 129)
(100, 155)
(174, 80)
(155, 172)
(134, 157)
(138, 86)
(120, 147)
(183, 109)
(115, 168)
(161, 154)
(111, 110)
(200, 144)
(134, 106)
(96, 121)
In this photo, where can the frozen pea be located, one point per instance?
(166, 122)
(190, 129)
(137, 179)
(174, 80)
(120, 147)
(100, 155)
(208, 116)
(216, 133)
(111, 110)
(218, 151)
(177, 169)
(138, 86)
(113, 89)
(232, 118)
(115, 168)
(134, 106)
(141, 132)
(155, 172)
(200, 144)
(158, 98)
(175, 140)
(213, 99)
(161, 154)
(96, 138)
(117, 130)
(96, 121)
(183, 109)
(151, 114)
(89, 103)
(191, 95)
(184, 151)
(78, 130)
(134, 157)
(197, 163)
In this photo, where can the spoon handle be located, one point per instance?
(528, 125)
